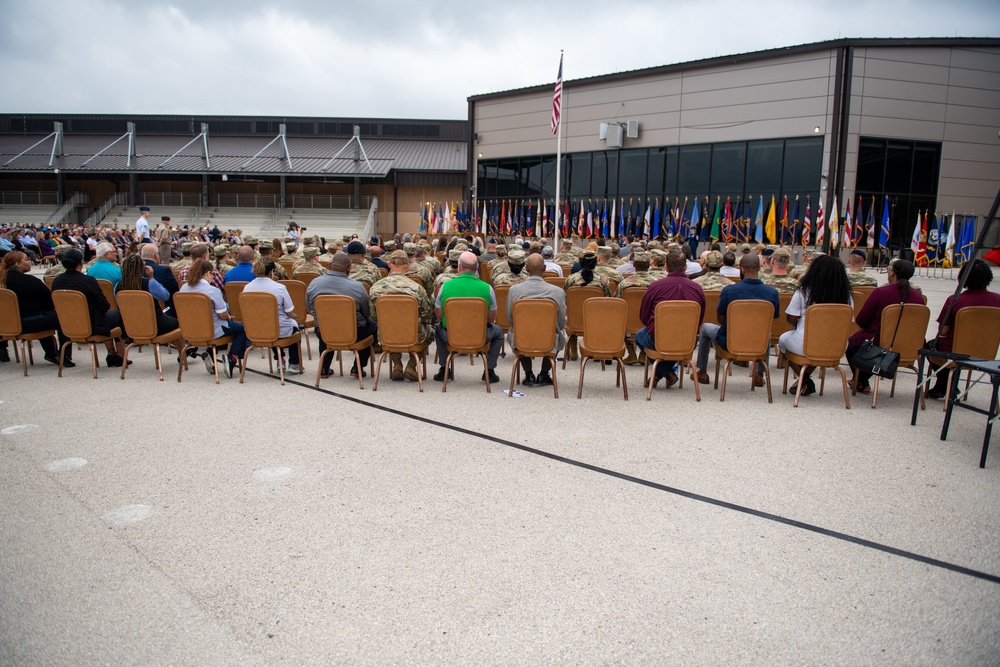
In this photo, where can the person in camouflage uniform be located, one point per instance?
(604, 267)
(221, 265)
(807, 259)
(185, 259)
(587, 275)
(429, 260)
(639, 278)
(856, 270)
(565, 254)
(779, 278)
(712, 279)
(450, 271)
(361, 269)
(615, 260)
(328, 253)
(515, 273)
(265, 250)
(501, 257)
(397, 283)
(415, 269)
(57, 268)
(308, 264)
(502, 265)
(658, 262)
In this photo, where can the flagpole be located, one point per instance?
(562, 95)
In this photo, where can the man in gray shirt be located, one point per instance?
(336, 281)
(535, 287)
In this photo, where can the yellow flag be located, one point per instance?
(770, 228)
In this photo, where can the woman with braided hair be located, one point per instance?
(137, 276)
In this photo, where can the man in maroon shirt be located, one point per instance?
(975, 294)
(676, 286)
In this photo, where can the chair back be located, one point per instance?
(712, 305)
(865, 290)
(827, 328)
(535, 326)
(780, 325)
(382, 272)
(336, 319)
(977, 332)
(557, 281)
(417, 279)
(858, 298)
(73, 313)
(305, 277)
(297, 292)
(575, 298)
(613, 284)
(748, 327)
(194, 315)
(287, 265)
(109, 292)
(10, 315)
(260, 318)
(233, 291)
(49, 280)
(912, 319)
(567, 268)
(467, 319)
(549, 274)
(485, 271)
(138, 311)
(501, 293)
(325, 263)
(633, 299)
(398, 320)
(604, 324)
(677, 327)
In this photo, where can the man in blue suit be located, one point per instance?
(150, 257)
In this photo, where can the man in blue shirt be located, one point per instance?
(749, 288)
(242, 272)
(104, 268)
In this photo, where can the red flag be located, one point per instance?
(557, 99)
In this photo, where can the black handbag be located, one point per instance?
(870, 358)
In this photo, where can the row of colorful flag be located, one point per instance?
(937, 240)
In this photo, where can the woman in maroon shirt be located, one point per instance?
(869, 319)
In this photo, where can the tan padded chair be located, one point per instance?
(399, 331)
(534, 335)
(287, 265)
(550, 274)
(194, 315)
(325, 263)
(603, 338)
(74, 322)
(138, 311)
(467, 318)
(556, 280)
(337, 322)
(417, 279)
(676, 336)
(748, 335)
(260, 319)
(575, 298)
(485, 272)
(232, 293)
(858, 297)
(633, 300)
(827, 328)
(501, 293)
(567, 269)
(913, 319)
(10, 329)
(109, 292)
(297, 292)
(307, 277)
(712, 306)
(48, 281)
(613, 285)
(780, 325)
(977, 334)
(382, 272)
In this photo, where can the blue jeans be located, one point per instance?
(644, 341)
(239, 344)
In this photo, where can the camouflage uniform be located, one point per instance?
(576, 280)
(365, 272)
(637, 279)
(856, 278)
(433, 264)
(713, 280)
(396, 283)
(421, 272)
(784, 284)
(517, 258)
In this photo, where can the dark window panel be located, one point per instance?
(728, 169)
(632, 172)
(764, 166)
(694, 165)
(803, 166)
(507, 178)
(579, 174)
(898, 166)
(655, 171)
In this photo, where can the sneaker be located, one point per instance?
(231, 363)
(493, 377)
(207, 358)
(439, 376)
(294, 368)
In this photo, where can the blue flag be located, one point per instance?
(759, 221)
(656, 221)
(968, 236)
(883, 232)
(706, 226)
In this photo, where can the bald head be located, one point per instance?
(535, 265)
(340, 263)
(750, 265)
(244, 254)
(149, 251)
(468, 262)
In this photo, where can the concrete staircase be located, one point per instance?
(15, 215)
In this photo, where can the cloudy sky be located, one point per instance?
(395, 59)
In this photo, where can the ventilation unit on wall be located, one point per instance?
(615, 132)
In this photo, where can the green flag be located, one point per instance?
(714, 234)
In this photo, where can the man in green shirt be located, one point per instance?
(467, 284)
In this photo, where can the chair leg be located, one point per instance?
(486, 372)
(159, 361)
(621, 370)
(447, 370)
(371, 360)
(421, 378)
(17, 355)
(180, 366)
(281, 366)
(340, 360)
(309, 351)
(798, 386)
(62, 351)
(843, 377)
(24, 365)
(319, 366)
(31, 354)
(618, 375)
(694, 371)
(645, 379)
(513, 375)
(125, 360)
(93, 358)
(378, 369)
(822, 379)
(784, 384)
(555, 380)
(583, 367)
(565, 352)
(725, 376)
(892, 387)
(717, 363)
(361, 369)
(767, 382)
(875, 392)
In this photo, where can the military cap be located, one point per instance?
(410, 248)
(516, 256)
(860, 253)
(186, 246)
(307, 241)
(310, 252)
(454, 254)
(355, 248)
(463, 246)
(714, 259)
(660, 255)
(249, 240)
(673, 246)
(812, 254)
(641, 256)
(346, 238)
(513, 246)
(781, 255)
(535, 246)
(566, 242)
(61, 249)
(588, 254)
(604, 251)
(389, 246)
(290, 247)
(745, 248)
(398, 257)
(221, 250)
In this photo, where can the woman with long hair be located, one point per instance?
(34, 301)
(137, 276)
(869, 318)
(199, 280)
(825, 282)
(265, 282)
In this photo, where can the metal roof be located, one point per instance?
(231, 155)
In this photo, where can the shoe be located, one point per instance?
(231, 363)
(529, 380)
(113, 361)
(68, 363)
(325, 373)
(439, 376)
(701, 377)
(396, 373)
(410, 372)
(52, 359)
(192, 352)
(493, 377)
(294, 368)
(543, 380)
(936, 393)
(354, 373)
(207, 358)
(670, 380)
(758, 379)
(864, 389)
(808, 388)
(4, 354)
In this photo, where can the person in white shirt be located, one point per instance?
(548, 252)
(197, 281)
(142, 226)
(265, 282)
(729, 269)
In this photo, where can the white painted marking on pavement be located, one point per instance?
(267, 474)
(21, 428)
(127, 514)
(62, 465)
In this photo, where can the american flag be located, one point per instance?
(557, 99)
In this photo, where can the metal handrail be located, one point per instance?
(24, 198)
(371, 224)
(117, 199)
(67, 209)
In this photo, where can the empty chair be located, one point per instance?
(712, 306)
(575, 298)
(604, 337)
(676, 328)
(305, 321)
(399, 331)
(780, 324)
(138, 311)
(260, 317)
(748, 336)
(534, 335)
(75, 324)
(827, 328)
(109, 292)
(233, 291)
(338, 327)
(558, 281)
